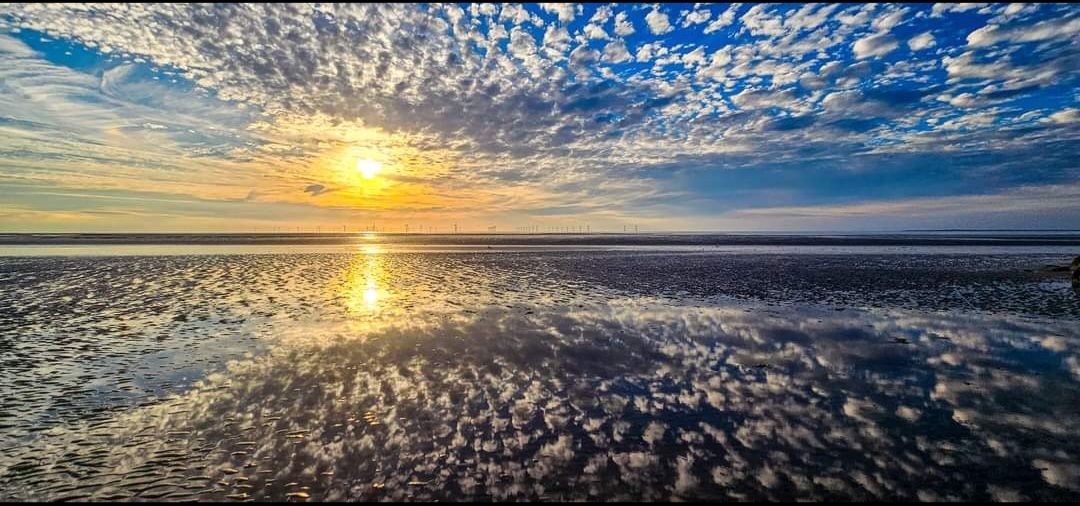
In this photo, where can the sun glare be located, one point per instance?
(368, 167)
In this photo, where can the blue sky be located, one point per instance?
(666, 116)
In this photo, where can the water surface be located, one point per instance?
(374, 374)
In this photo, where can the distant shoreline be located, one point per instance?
(1035, 238)
(992, 230)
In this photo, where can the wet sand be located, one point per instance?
(379, 374)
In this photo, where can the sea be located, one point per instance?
(924, 365)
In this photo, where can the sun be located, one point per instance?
(368, 167)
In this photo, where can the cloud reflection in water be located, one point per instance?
(619, 398)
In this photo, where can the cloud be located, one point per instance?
(696, 17)
(875, 45)
(1024, 200)
(15, 48)
(1049, 68)
(658, 22)
(921, 41)
(961, 100)
(602, 15)
(808, 17)
(1065, 116)
(315, 189)
(565, 11)
(623, 26)
(723, 20)
(514, 13)
(888, 21)
(615, 52)
(941, 8)
(556, 42)
(594, 31)
(695, 57)
(991, 34)
(583, 57)
(236, 93)
(522, 44)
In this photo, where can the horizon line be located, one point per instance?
(467, 232)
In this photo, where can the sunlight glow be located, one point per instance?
(371, 295)
(364, 289)
(368, 167)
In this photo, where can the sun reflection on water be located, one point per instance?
(371, 295)
(365, 286)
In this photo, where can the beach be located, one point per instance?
(388, 369)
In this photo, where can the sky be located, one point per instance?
(688, 117)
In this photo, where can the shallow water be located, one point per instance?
(377, 374)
